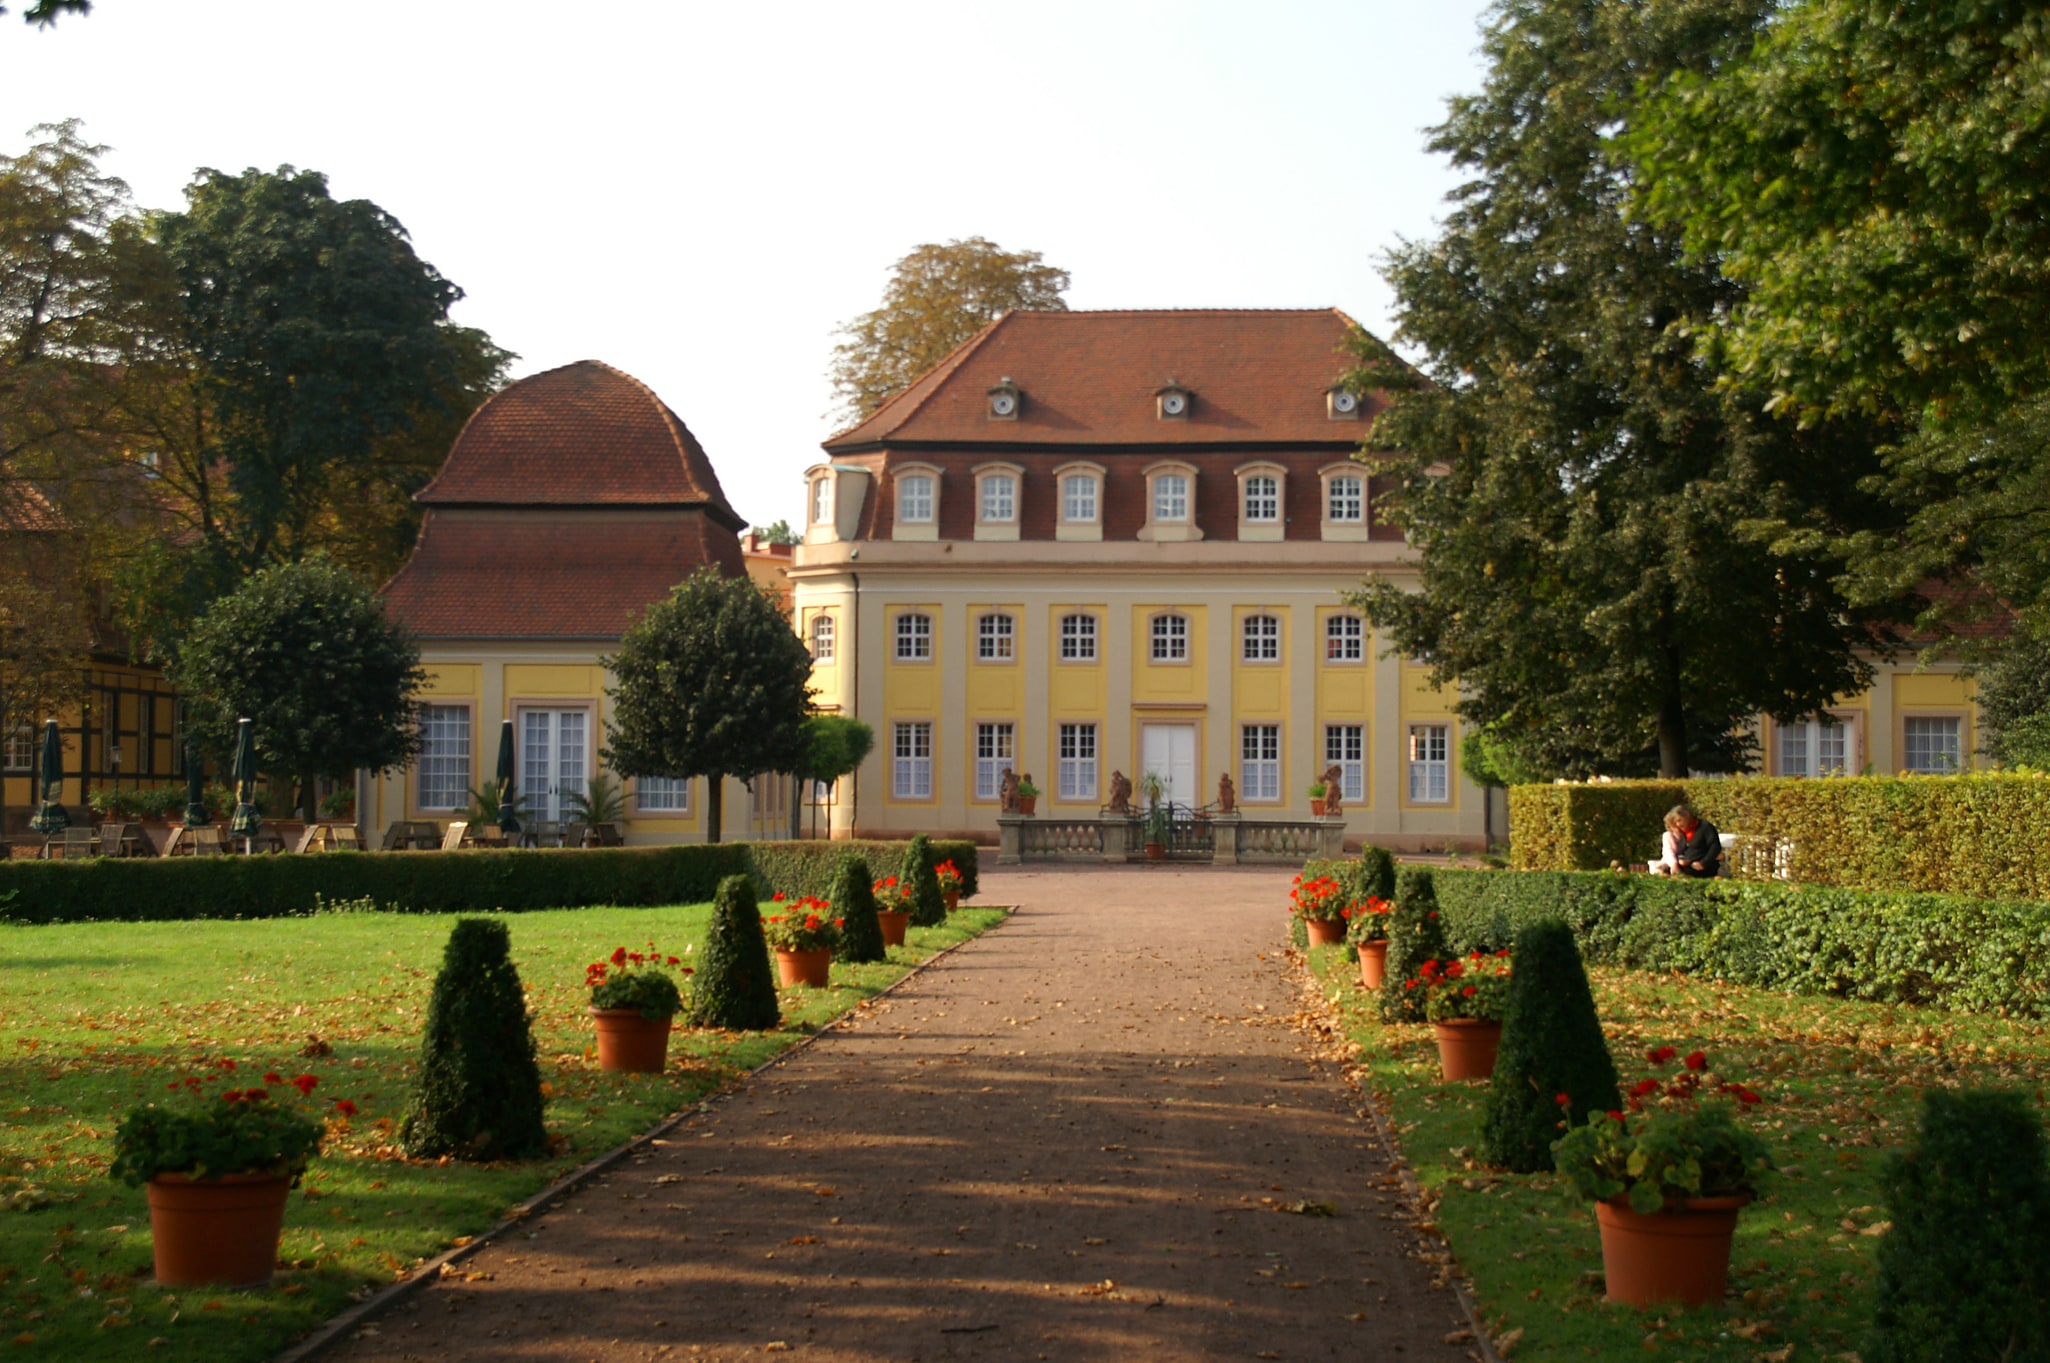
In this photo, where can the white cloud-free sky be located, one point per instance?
(699, 193)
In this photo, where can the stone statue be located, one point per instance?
(1227, 795)
(1007, 792)
(1334, 789)
(1120, 793)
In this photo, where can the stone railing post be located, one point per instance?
(1331, 837)
(1225, 839)
(1116, 829)
(1010, 839)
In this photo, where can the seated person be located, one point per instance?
(1668, 863)
(1699, 851)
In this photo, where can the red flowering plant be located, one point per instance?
(1319, 898)
(1474, 986)
(949, 877)
(639, 980)
(1367, 921)
(221, 1123)
(1675, 1138)
(804, 925)
(893, 897)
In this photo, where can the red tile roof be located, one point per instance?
(583, 575)
(582, 435)
(1089, 378)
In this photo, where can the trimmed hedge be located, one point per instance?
(1942, 951)
(127, 890)
(1976, 834)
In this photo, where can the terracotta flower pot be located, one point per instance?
(1680, 1255)
(1325, 932)
(1156, 851)
(627, 1041)
(953, 898)
(1373, 963)
(1316, 806)
(893, 925)
(1027, 803)
(808, 968)
(1466, 1047)
(216, 1230)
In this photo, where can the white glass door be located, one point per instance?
(1169, 752)
(554, 748)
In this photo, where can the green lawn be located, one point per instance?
(1842, 1083)
(96, 1017)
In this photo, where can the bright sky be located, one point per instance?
(699, 193)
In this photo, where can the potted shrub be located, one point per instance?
(1317, 800)
(1667, 1178)
(634, 1000)
(1028, 796)
(803, 937)
(893, 909)
(1321, 902)
(950, 884)
(217, 1167)
(1465, 999)
(1366, 928)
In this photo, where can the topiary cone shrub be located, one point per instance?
(1965, 1271)
(854, 904)
(928, 905)
(734, 988)
(478, 1094)
(1552, 1044)
(1375, 874)
(1415, 935)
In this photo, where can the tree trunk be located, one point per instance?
(309, 798)
(797, 788)
(1672, 740)
(715, 795)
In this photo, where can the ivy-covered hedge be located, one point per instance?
(1945, 951)
(1976, 834)
(108, 890)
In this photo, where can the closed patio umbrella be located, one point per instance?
(50, 816)
(247, 823)
(196, 813)
(508, 821)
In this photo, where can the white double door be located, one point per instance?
(1169, 752)
(555, 750)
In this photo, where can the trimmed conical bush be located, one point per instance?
(1552, 1043)
(1375, 873)
(1415, 935)
(478, 1093)
(854, 904)
(1965, 1272)
(734, 988)
(928, 905)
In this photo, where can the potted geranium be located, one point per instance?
(1317, 791)
(949, 876)
(1320, 901)
(1667, 1179)
(217, 1165)
(893, 908)
(1465, 999)
(1366, 928)
(804, 936)
(1028, 796)
(633, 999)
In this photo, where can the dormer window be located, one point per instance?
(999, 489)
(914, 498)
(1341, 403)
(1170, 502)
(1345, 501)
(1171, 498)
(1261, 501)
(822, 500)
(1079, 487)
(999, 497)
(1171, 401)
(918, 502)
(1005, 400)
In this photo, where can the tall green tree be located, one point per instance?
(1581, 492)
(937, 297)
(43, 13)
(305, 652)
(712, 682)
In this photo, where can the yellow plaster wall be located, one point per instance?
(1260, 689)
(1932, 691)
(533, 681)
(1183, 681)
(453, 679)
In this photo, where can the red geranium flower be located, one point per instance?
(256, 1095)
(1564, 1100)
(345, 1107)
(273, 1077)
(1468, 992)
(232, 1096)
(1615, 1116)
(1697, 1060)
(619, 956)
(304, 1083)
(1660, 1055)
(1644, 1088)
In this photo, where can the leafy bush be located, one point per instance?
(1965, 1272)
(1473, 987)
(1552, 1046)
(928, 905)
(478, 1092)
(802, 925)
(249, 1130)
(637, 980)
(1584, 827)
(854, 900)
(1415, 935)
(734, 989)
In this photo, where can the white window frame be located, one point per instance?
(1080, 645)
(824, 638)
(1171, 497)
(1066, 480)
(996, 752)
(1168, 638)
(911, 759)
(430, 782)
(996, 637)
(20, 754)
(1171, 502)
(1080, 500)
(1909, 760)
(1346, 746)
(1077, 754)
(997, 500)
(662, 794)
(1430, 764)
(1344, 514)
(917, 498)
(822, 499)
(1802, 748)
(1261, 502)
(563, 776)
(912, 633)
(1260, 638)
(1260, 763)
(1345, 638)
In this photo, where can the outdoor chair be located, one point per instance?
(573, 835)
(606, 835)
(548, 833)
(307, 838)
(126, 840)
(79, 842)
(204, 842)
(452, 840)
(344, 837)
(394, 837)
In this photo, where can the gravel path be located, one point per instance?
(1071, 1139)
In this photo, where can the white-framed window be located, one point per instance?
(995, 753)
(914, 638)
(1078, 498)
(822, 638)
(914, 498)
(1345, 745)
(1430, 763)
(1345, 499)
(1263, 497)
(995, 638)
(911, 760)
(1260, 639)
(662, 794)
(1816, 747)
(1171, 497)
(443, 767)
(1933, 744)
(1078, 638)
(1077, 762)
(1345, 639)
(1260, 762)
(554, 753)
(21, 748)
(999, 497)
(1170, 639)
(822, 501)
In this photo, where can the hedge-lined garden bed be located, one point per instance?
(112, 890)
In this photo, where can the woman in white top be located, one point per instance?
(1668, 863)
